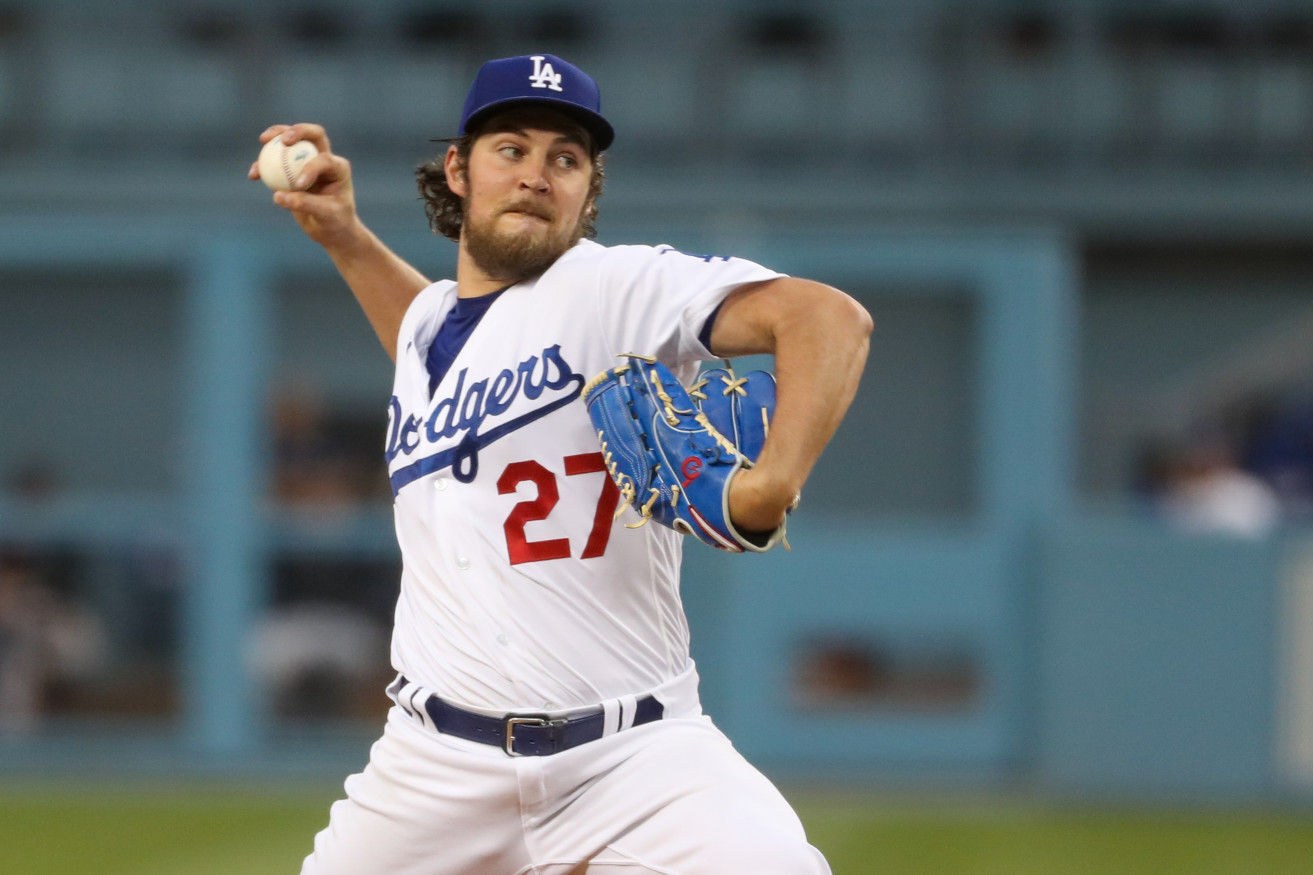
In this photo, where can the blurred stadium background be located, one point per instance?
(1059, 553)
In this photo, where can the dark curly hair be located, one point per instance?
(446, 209)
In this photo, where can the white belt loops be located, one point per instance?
(619, 714)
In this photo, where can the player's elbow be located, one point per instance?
(844, 317)
(814, 313)
(859, 317)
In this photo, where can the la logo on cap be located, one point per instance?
(542, 80)
(543, 74)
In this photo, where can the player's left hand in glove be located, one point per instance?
(673, 453)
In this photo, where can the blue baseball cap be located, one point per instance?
(537, 79)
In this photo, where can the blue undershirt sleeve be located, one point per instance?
(704, 336)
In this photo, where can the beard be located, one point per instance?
(512, 257)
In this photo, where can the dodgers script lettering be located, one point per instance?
(463, 414)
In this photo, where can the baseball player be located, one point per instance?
(546, 715)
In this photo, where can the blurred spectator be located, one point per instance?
(321, 660)
(310, 469)
(45, 639)
(1204, 490)
(324, 459)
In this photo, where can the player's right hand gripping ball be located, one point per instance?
(673, 453)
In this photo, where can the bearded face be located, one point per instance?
(526, 196)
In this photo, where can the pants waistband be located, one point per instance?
(524, 734)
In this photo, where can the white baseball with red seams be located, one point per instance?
(280, 164)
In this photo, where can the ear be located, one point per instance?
(455, 170)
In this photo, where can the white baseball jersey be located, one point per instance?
(519, 592)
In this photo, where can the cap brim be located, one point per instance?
(599, 128)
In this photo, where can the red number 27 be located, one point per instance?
(519, 547)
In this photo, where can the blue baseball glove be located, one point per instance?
(673, 453)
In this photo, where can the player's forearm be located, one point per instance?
(818, 367)
(819, 337)
(383, 282)
(817, 375)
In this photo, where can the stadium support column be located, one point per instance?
(224, 467)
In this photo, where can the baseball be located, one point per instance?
(280, 164)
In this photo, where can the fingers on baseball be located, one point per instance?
(325, 208)
(295, 133)
(322, 172)
(272, 131)
(300, 131)
(300, 202)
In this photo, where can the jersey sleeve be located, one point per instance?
(655, 301)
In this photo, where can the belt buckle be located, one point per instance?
(512, 722)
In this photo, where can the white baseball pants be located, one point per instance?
(670, 797)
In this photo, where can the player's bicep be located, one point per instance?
(745, 324)
(754, 315)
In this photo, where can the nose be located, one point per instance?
(534, 177)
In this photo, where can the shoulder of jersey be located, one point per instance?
(423, 304)
(437, 288)
(430, 295)
(591, 252)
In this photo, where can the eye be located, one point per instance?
(511, 151)
(566, 161)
